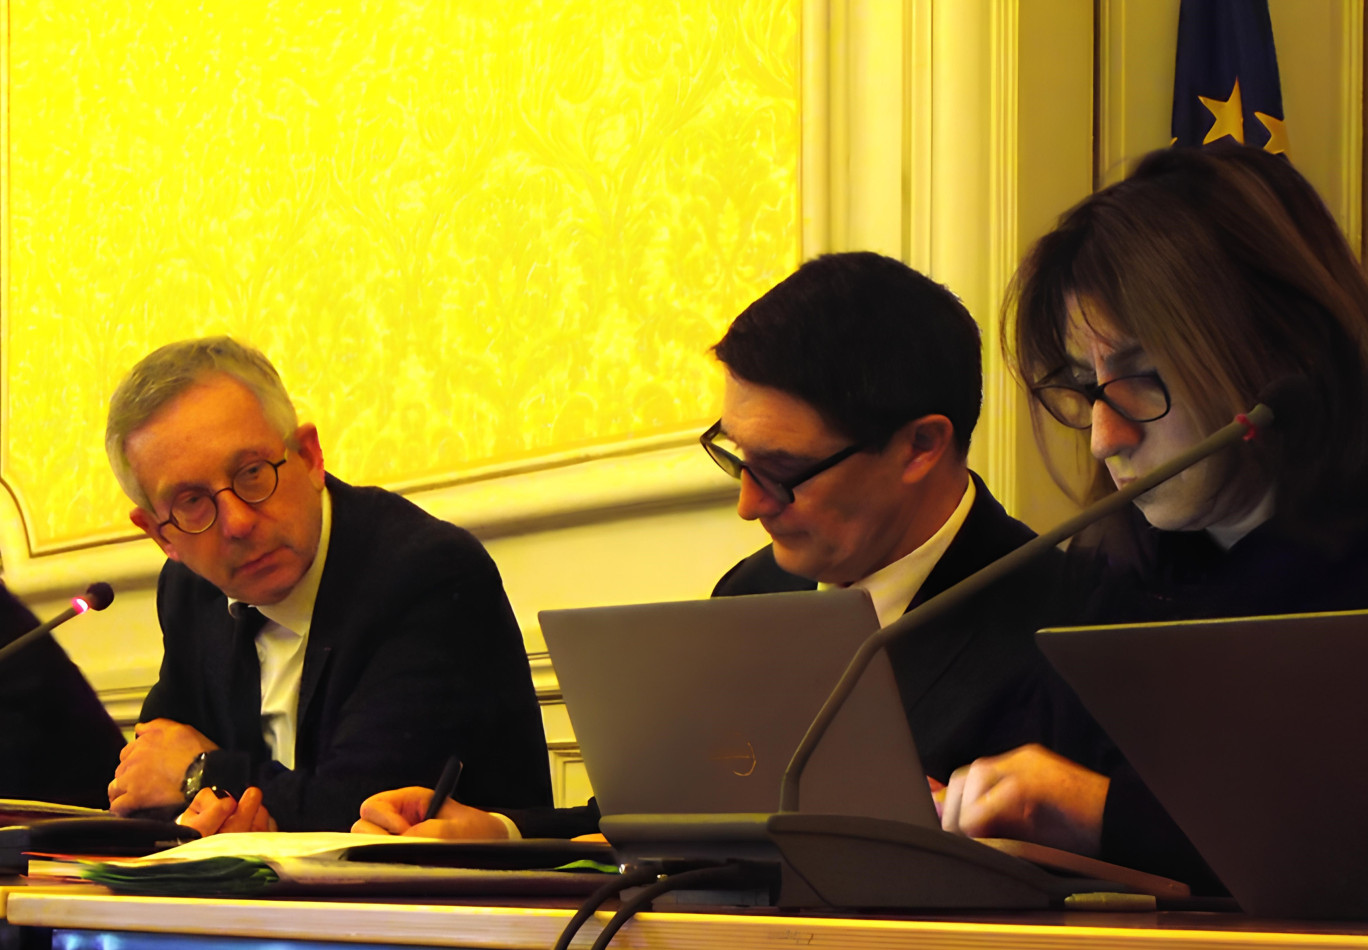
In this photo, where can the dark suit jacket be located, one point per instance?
(57, 743)
(413, 655)
(974, 684)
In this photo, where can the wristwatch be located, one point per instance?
(194, 776)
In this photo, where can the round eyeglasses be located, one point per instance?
(194, 512)
(780, 490)
(1142, 397)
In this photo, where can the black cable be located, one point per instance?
(594, 901)
(726, 874)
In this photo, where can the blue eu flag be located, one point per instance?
(1225, 82)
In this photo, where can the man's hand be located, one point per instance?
(1031, 794)
(937, 793)
(210, 815)
(400, 812)
(152, 767)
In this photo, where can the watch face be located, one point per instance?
(194, 776)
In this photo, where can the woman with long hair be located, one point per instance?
(1157, 310)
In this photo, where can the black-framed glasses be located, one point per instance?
(1142, 397)
(195, 512)
(780, 490)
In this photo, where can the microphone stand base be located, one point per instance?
(846, 862)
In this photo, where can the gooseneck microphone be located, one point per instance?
(97, 596)
(1244, 427)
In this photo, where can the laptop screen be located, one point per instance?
(697, 706)
(1252, 734)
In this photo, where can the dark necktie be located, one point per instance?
(244, 696)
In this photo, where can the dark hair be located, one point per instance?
(1225, 265)
(866, 341)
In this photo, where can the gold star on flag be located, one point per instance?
(1229, 116)
(1277, 133)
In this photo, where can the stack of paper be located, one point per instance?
(22, 811)
(341, 863)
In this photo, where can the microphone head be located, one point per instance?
(98, 596)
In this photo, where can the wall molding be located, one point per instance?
(815, 165)
(544, 678)
(1109, 148)
(1350, 159)
(918, 124)
(964, 166)
(569, 488)
(1001, 394)
(567, 767)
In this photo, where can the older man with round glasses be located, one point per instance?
(321, 642)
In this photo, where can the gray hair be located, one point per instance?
(167, 372)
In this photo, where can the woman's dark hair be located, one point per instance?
(1225, 265)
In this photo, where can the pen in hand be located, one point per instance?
(451, 774)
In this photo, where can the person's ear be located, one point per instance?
(147, 522)
(310, 453)
(925, 441)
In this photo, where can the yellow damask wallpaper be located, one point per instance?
(466, 232)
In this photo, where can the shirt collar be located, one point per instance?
(893, 587)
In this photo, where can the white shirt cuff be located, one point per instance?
(513, 833)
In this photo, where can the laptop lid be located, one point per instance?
(697, 706)
(1251, 733)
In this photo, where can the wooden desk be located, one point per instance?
(10, 936)
(516, 928)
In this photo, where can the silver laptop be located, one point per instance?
(697, 706)
(1253, 734)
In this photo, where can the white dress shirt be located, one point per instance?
(280, 650)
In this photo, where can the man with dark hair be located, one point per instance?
(852, 391)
